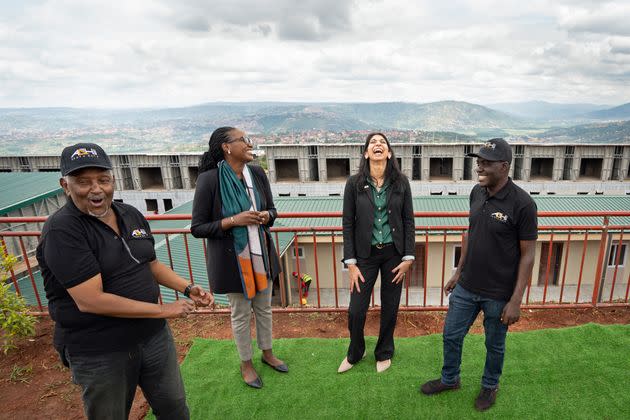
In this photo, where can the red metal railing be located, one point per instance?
(565, 282)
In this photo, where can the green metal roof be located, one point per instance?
(460, 203)
(332, 204)
(19, 189)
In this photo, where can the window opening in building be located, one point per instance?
(287, 170)
(193, 173)
(612, 258)
(300, 252)
(591, 168)
(152, 205)
(555, 260)
(338, 169)
(441, 168)
(313, 168)
(541, 169)
(151, 178)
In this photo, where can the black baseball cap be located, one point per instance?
(83, 155)
(494, 150)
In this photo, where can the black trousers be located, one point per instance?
(383, 260)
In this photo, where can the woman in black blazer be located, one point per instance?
(378, 235)
(233, 208)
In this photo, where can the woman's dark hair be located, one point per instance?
(214, 155)
(393, 175)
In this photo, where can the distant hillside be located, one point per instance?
(621, 112)
(613, 133)
(437, 116)
(271, 117)
(39, 130)
(305, 120)
(547, 111)
(434, 116)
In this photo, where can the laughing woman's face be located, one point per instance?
(377, 149)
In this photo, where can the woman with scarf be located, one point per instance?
(233, 208)
(378, 236)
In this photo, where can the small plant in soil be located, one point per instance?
(15, 320)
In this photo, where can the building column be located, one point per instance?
(426, 168)
(458, 168)
(607, 164)
(323, 170)
(558, 166)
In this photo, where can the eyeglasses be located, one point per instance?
(244, 139)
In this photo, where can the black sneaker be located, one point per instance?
(436, 386)
(486, 398)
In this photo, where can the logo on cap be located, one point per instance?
(83, 152)
(489, 145)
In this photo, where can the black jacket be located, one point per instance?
(358, 218)
(223, 270)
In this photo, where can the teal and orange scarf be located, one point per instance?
(249, 241)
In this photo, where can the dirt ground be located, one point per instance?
(34, 384)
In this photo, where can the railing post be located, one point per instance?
(600, 262)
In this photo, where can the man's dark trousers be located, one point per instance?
(109, 380)
(463, 308)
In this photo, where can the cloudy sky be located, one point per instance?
(139, 53)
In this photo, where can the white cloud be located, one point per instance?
(168, 53)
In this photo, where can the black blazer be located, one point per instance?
(358, 218)
(223, 270)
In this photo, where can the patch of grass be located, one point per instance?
(21, 373)
(577, 373)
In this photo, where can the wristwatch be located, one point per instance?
(187, 290)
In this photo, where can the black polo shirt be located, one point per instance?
(496, 225)
(74, 248)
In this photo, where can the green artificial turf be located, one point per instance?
(572, 373)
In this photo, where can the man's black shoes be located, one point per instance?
(436, 386)
(486, 398)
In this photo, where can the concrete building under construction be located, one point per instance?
(155, 183)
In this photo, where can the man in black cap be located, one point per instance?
(102, 279)
(495, 265)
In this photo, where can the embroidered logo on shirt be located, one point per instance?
(83, 152)
(139, 233)
(500, 217)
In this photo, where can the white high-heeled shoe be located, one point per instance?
(345, 365)
(383, 365)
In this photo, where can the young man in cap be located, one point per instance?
(102, 281)
(495, 265)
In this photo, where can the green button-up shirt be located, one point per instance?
(381, 233)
